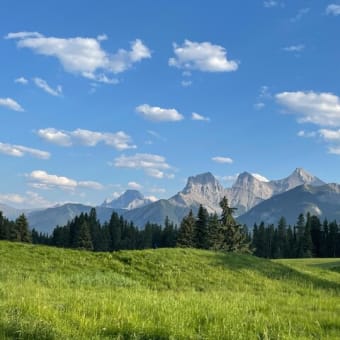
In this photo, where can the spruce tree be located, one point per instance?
(232, 237)
(201, 229)
(22, 232)
(186, 231)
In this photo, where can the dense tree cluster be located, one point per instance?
(86, 232)
(211, 232)
(15, 230)
(307, 238)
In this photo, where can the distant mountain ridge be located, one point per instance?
(248, 192)
(322, 201)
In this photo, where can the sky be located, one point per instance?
(97, 97)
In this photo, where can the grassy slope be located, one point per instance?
(49, 293)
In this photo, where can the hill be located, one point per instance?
(50, 293)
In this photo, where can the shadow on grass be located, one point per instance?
(273, 270)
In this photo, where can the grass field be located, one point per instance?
(50, 293)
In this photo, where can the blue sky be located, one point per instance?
(100, 96)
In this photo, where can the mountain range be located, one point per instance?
(255, 198)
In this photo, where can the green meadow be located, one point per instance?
(51, 293)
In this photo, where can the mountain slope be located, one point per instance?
(323, 201)
(130, 199)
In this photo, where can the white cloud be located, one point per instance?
(204, 57)
(21, 80)
(83, 56)
(28, 200)
(158, 114)
(259, 105)
(302, 12)
(196, 116)
(260, 177)
(330, 135)
(153, 165)
(186, 83)
(42, 180)
(222, 160)
(333, 9)
(311, 107)
(41, 83)
(119, 140)
(10, 104)
(306, 134)
(335, 150)
(134, 185)
(20, 151)
(271, 3)
(294, 48)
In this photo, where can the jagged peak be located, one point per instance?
(203, 178)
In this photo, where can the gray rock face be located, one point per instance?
(130, 199)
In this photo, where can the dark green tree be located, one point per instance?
(201, 229)
(21, 230)
(232, 236)
(186, 231)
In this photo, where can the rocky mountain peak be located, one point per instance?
(130, 199)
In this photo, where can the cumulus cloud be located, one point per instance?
(333, 9)
(27, 200)
(134, 185)
(196, 116)
(41, 83)
(222, 160)
(153, 165)
(119, 140)
(20, 151)
(10, 104)
(205, 57)
(311, 107)
(294, 48)
(43, 180)
(21, 80)
(158, 114)
(83, 56)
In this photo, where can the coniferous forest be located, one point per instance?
(308, 237)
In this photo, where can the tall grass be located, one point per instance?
(49, 293)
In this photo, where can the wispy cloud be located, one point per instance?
(11, 104)
(41, 83)
(196, 116)
(186, 83)
(135, 185)
(204, 56)
(20, 151)
(42, 180)
(263, 95)
(119, 140)
(83, 55)
(300, 14)
(222, 160)
(333, 9)
(158, 114)
(272, 3)
(153, 165)
(294, 48)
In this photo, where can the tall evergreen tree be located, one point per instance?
(186, 231)
(22, 233)
(233, 237)
(201, 229)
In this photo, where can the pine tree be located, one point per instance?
(300, 236)
(201, 229)
(282, 246)
(22, 230)
(232, 237)
(307, 239)
(4, 228)
(213, 231)
(186, 231)
(84, 236)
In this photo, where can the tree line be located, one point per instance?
(308, 237)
